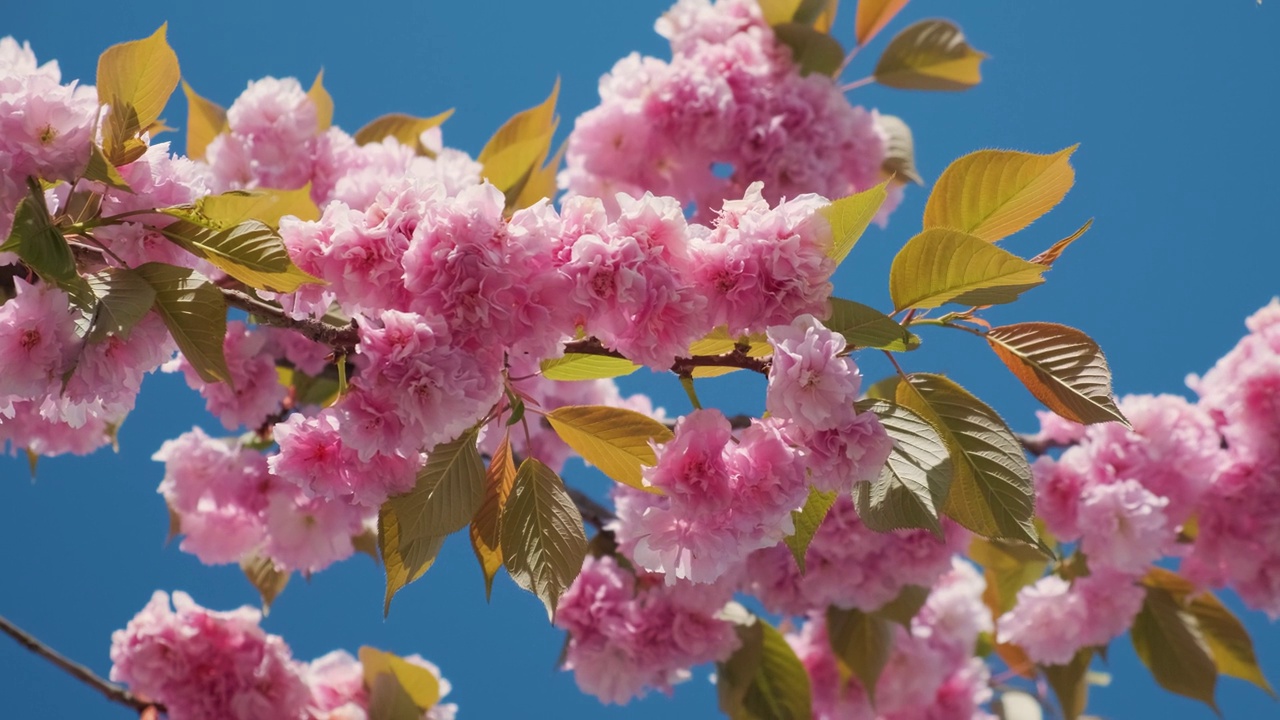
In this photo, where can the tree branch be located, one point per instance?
(342, 339)
(111, 691)
(1040, 446)
(592, 512)
(682, 366)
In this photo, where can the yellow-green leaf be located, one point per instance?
(124, 298)
(405, 558)
(405, 128)
(542, 180)
(1064, 368)
(1050, 256)
(864, 326)
(930, 55)
(1070, 683)
(812, 50)
(861, 643)
(807, 520)
(388, 700)
(1229, 641)
(43, 248)
(776, 12)
(263, 204)
(914, 482)
(991, 490)
(323, 102)
(543, 541)
(992, 194)
(487, 522)
(519, 147)
(872, 16)
(719, 342)
(940, 266)
(136, 79)
(616, 441)
(581, 366)
(905, 606)
(449, 490)
(251, 252)
(849, 217)
(265, 578)
(763, 679)
(900, 149)
(1009, 567)
(1169, 641)
(195, 313)
(421, 685)
(101, 170)
(206, 120)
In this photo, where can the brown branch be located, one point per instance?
(111, 691)
(342, 339)
(1040, 446)
(592, 512)
(682, 366)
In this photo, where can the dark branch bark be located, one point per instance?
(593, 513)
(682, 366)
(111, 691)
(342, 339)
(1037, 446)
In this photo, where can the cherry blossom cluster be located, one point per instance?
(207, 665)
(729, 109)
(931, 672)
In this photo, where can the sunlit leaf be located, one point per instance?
(251, 252)
(616, 441)
(101, 170)
(914, 483)
(872, 16)
(807, 520)
(900, 149)
(1228, 640)
(42, 247)
(124, 298)
(543, 541)
(930, 55)
(1064, 368)
(323, 102)
(407, 129)
(849, 218)
(487, 522)
(195, 314)
(268, 580)
(206, 120)
(388, 700)
(992, 194)
(1009, 567)
(449, 490)
(864, 326)
(419, 683)
(940, 266)
(542, 180)
(861, 643)
(720, 342)
(812, 50)
(763, 679)
(1050, 256)
(519, 147)
(581, 366)
(1170, 643)
(1069, 683)
(263, 204)
(136, 79)
(991, 490)
(776, 12)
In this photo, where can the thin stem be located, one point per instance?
(112, 219)
(857, 84)
(592, 512)
(848, 59)
(111, 691)
(682, 366)
(896, 366)
(686, 381)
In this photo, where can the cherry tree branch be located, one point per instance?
(1039, 446)
(682, 366)
(342, 339)
(110, 690)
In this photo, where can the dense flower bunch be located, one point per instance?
(207, 665)
(731, 96)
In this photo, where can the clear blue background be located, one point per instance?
(1174, 104)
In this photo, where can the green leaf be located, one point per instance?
(124, 298)
(872, 16)
(930, 55)
(1009, 567)
(41, 246)
(406, 129)
(265, 578)
(487, 522)
(419, 683)
(763, 679)
(812, 50)
(263, 204)
(388, 700)
(544, 543)
(405, 557)
(861, 643)
(807, 520)
(519, 147)
(250, 252)
(616, 441)
(940, 266)
(1061, 366)
(1170, 643)
(992, 194)
(101, 170)
(195, 313)
(323, 102)
(849, 217)
(991, 489)
(136, 79)
(915, 482)
(900, 149)
(884, 388)
(864, 326)
(905, 606)
(582, 366)
(1069, 683)
(206, 120)
(1228, 640)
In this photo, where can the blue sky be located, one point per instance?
(1174, 106)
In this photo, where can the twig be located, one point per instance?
(592, 512)
(682, 366)
(1040, 446)
(111, 691)
(341, 339)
